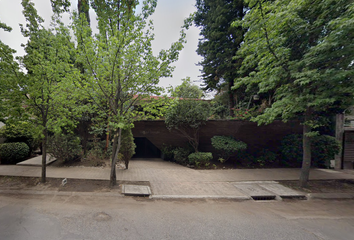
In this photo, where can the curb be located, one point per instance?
(180, 197)
(61, 193)
(330, 196)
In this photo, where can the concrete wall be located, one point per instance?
(265, 136)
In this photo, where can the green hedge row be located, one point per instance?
(12, 153)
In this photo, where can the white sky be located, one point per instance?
(168, 19)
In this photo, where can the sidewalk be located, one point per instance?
(169, 180)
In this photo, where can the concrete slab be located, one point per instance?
(282, 191)
(255, 191)
(331, 196)
(328, 170)
(36, 161)
(136, 190)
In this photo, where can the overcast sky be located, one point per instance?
(168, 19)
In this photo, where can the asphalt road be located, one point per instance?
(83, 217)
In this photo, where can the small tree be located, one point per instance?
(187, 117)
(128, 146)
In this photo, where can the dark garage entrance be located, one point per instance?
(145, 149)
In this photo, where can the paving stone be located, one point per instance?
(254, 190)
(282, 191)
(36, 161)
(136, 190)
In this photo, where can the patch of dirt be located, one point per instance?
(56, 184)
(102, 163)
(323, 186)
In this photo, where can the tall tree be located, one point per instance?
(121, 69)
(219, 43)
(301, 52)
(50, 72)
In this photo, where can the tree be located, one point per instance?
(219, 43)
(301, 53)
(50, 73)
(187, 117)
(120, 68)
(128, 146)
(186, 90)
(10, 93)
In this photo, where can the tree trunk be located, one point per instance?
(231, 98)
(339, 137)
(116, 147)
(306, 147)
(44, 155)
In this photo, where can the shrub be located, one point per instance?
(64, 147)
(200, 158)
(264, 157)
(323, 149)
(226, 146)
(127, 148)
(97, 149)
(20, 131)
(12, 153)
(245, 158)
(167, 152)
(180, 155)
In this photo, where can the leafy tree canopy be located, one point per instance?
(187, 117)
(300, 52)
(186, 90)
(219, 42)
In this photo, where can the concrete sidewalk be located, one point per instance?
(170, 180)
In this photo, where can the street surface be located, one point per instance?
(52, 217)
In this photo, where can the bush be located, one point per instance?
(226, 146)
(97, 149)
(200, 158)
(12, 153)
(323, 149)
(127, 148)
(20, 131)
(64, 147)
(167, 152)
(264, 157)
(180, 155)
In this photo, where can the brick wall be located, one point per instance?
(265, 136)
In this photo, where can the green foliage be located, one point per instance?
(300, 55)
(119, 68)
(323, 149)
(186, 90)
(227, 146)
(200, 158)
(167, 152)
(219, 42)
(264, 158)
(219, 107)
(128, 146)
(64, 147)
(20, 131)
(180, 155)
(97, 150)
(12, 153)
(187, 117)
